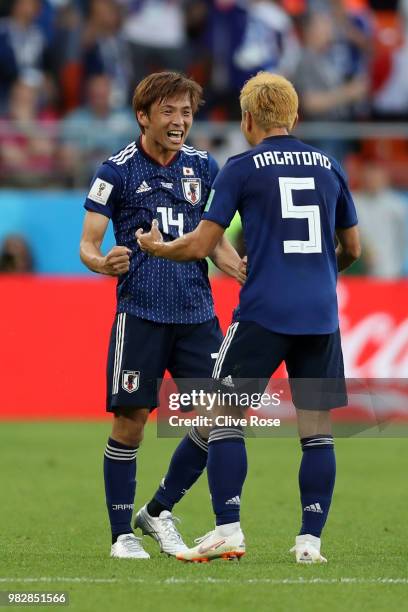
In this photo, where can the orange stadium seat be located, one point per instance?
(392, 153)
(294, 7)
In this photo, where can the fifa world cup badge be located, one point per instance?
(130, 380)
(101, 188)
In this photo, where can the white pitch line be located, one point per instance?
(61, 579)
(205, 580)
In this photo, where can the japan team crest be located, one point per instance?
(130, 380)
(192, 190)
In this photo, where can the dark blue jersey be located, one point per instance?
(291, 197)
(132, 189)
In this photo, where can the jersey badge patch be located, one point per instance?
(188, 171)
(130, 380)
(100, 191)
(192, 190)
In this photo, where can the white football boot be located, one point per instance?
(307, 549)
(128, 546)
(213, 546)
(161, 528)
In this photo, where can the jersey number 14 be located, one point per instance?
(167, 220)
(311, 212)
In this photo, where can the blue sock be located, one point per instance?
(187, 464)
(316, 482)
(120, 485)
(226, 469)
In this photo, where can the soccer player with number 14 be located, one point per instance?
(165, 314)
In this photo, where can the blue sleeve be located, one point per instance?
(224, 197)
(8, 63)
(346, 215)
(214, 168)
(105, 192)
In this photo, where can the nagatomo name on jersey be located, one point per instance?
(132, 189)
(291, 198)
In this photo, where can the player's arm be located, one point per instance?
(225, 257)
(349, 248)
(192, 246)
(116, 262)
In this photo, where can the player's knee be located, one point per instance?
(133, 436)
(204, 432)
(313, 422)
(128, 427)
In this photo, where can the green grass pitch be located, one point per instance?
(55, 531)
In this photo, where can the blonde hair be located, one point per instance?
(271, 99)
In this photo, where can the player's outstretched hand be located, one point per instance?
(242, 270)
(148, 242)
(117, 261)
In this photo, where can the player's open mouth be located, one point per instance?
(176, 136)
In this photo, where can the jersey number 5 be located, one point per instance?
(167, 220)
(311, 212)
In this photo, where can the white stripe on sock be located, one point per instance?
(115, 457)
(124, 451)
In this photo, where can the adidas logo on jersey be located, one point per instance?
(313, 508)
(234, 501)
(143, 187)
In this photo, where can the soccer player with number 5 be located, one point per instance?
(165, 314)
(293, 201)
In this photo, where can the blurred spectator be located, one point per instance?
(382, 214)
(353, 35)
(106, 51)
(198, 51)
(66, 50)
(23, 46)
(226, 28)
(155, 30)
(391, 101)
(248, 36)
(324, 94)
(15, 256)
(93, 131)
(27, 138)
(269, 41)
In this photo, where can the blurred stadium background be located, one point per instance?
(67, 71)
